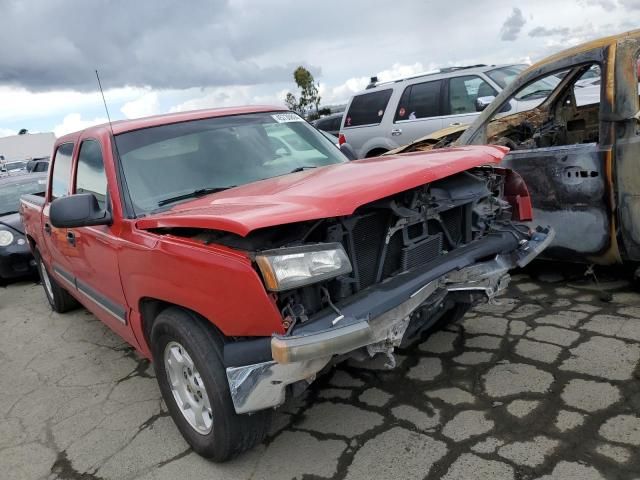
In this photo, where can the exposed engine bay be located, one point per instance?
(389, 237)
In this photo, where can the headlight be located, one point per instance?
(6, 238)
(287, 268)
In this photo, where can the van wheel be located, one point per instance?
(60, 300)
(187, 357)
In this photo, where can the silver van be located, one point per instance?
(390, 114)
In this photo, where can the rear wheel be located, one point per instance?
(187, 354)
(60, 300)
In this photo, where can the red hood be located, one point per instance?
(324, 192)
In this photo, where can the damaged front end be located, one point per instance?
(413, 259)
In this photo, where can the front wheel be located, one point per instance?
(187, 357)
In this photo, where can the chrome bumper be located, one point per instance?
(296, 358)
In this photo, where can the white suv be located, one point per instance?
(388, 115)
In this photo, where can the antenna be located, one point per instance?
(105, 105)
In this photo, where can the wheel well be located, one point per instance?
(376, 152)
(150, 308)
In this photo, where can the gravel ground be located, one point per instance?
(543, 385)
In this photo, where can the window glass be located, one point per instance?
(61, 171)
(41, 167)
(463, 92)
(503, 76)
(91, 177)
(169, 161)
(368, 108)
(421, 100)
(587, 88)
(540, 89)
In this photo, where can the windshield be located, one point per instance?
(10, 193)
(503, 76)
(171, 163)
(535, 91)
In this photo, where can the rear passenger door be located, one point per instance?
(95, 263)
(461, 95)
(419, 111)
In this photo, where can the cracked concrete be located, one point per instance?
(543, 385)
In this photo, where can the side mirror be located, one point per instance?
(348, 151)
(483, 102)
(79, 210)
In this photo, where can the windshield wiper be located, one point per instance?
(11, 212)
(195, 194)
(302, 169)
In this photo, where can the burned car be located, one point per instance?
(578, 151)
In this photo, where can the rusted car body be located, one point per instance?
(580, 159)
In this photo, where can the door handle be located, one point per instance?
(47, 228)
(396, 131)
(455, 124)
(71, 239)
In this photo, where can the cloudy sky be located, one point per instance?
(157, 56)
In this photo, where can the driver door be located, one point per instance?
(565, 164)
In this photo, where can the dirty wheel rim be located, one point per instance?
(188, 388)
(46, 280)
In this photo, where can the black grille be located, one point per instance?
(422, 252)
(403, 251)
(368, 238)
(392, 259)
(452, 220)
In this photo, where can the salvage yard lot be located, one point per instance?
(543, 385)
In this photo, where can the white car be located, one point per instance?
(388, 115)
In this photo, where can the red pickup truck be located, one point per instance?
(243, 253)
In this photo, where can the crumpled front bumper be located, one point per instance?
(378, 317)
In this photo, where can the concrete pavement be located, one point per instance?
(543, 386)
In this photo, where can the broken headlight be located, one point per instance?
(287, 268)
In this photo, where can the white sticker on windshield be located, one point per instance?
(286, 117)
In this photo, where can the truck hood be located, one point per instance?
(324, 192)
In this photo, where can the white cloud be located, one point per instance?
(227, 97)
(342, 92)
(74, 122)
(143, 106)
(19, 104)
(5, 132)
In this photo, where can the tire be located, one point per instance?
(59, 299)
(175, 332)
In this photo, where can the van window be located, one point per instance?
(463, 92)
(61, 174)
(422, 100)
(90, 177)
(367, 109)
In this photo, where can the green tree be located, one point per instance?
(309, 95)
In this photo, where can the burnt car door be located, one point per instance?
(626, 114)
(564, 153)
